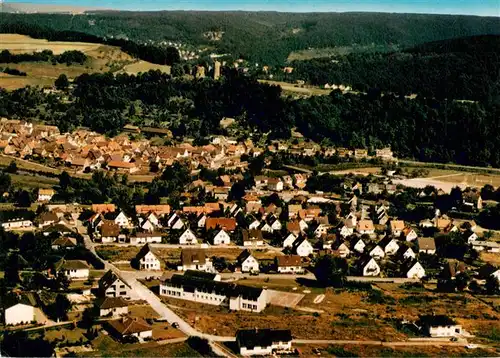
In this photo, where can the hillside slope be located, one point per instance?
(267, 37)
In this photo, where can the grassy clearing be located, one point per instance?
(33, 181)
(143, 66)
(24, 44)
(290, 87)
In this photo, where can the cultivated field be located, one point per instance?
(102, 58)
(24, 44)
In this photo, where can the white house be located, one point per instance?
(22, 313)
(472, 237)
(73, 269)
(321, 230)
(289, 264)
(302, 247)
(195, 259)
(130, 326)
(406, 252)
(145, 238)
(439, 326)
(370, 268)
(147, 260)
(397, 227)
(254, 225)
(289, 240)
(276, 225)
(365, 227)
(17, 224)
(415, 270)
(377, 252)
(202, 219)
(358, 245)
(177, 224)
(44, 195)
(303, 225)
(390, 246)
(122, 220)
(247, 262)
(346, 231)
(263, 342)
(409, 234)
(427, 245)
(342, 249)
(188, 238)
(266, 228)
(112, 306)
(222, 238)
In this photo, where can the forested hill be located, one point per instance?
(267, 37)
(464, 68)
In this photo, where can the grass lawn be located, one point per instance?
(33, 181)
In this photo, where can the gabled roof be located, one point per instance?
(228, 224)
(426, 243)
(253, 234)
(111, 302)
(288, 260)
(109, 278)
(64, 264)
(130, 325)
(190, 256)
(245, 254)
(144, 251)
(47, 216)
(64, 242)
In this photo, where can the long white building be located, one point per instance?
(200, 289)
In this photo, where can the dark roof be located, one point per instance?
(109, 229)
(64, 242)
(129, 325)
(48, 216)
(71, 265)
(243, 256)
(57, 228)
(109, 278)
(288, 260)
(188, 256)
(254, 234)
(143, 252)
(111, 302)
(200, 275)
(250, 338)
(192, 283)
(487, 270)
(436, 320)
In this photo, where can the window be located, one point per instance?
(122, 286)
(254, 307)
(123, 293)
(244, 305)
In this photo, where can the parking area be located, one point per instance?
(283, 299)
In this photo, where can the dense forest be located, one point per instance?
(465, 68)
(425, 129)
(264, 37)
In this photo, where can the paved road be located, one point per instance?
(380, 343)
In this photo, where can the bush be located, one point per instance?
(339, 352)
(201, 346)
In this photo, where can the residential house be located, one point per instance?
(195, 259)
(414, 270)
(302, 247)
(247, 262)
(122, 220)
(274, 184)
(486, 246)
(47, 218)
(365, 227)
(23, 310)
(130, 327)
(159, 210)
(409, 234)
(109, 231)
(147, 259)
(389, 245)
(111, 285)
(73, 269)
(288, 264)
(17, 223)
(439, 326)
(188, 238)
(293, 211)
(289, 240)
(112, 306)
(252, 238)
(397, 227)
(341, 248)
(263, 342)
(377, 252)
(63, 242)
(405, 253)
(472, 199)
(103, 208)
(358, 244)
(45, 195)
(384, 154)
(148, 237)
(427, 245)
(369, 267)
(221, 238)
(227, 224)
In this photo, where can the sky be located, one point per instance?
(465, 7)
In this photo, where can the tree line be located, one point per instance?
(67, 57)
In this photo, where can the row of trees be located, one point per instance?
(67, 57)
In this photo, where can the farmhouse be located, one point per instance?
(263, 341)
